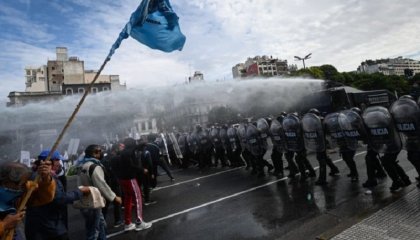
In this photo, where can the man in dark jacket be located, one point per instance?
(128, 170)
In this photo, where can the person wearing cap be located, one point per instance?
(93, 174)
(57, 165)
(49, 221)
(14, 179)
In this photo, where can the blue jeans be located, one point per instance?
(94, 223)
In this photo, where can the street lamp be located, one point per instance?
(303, 59)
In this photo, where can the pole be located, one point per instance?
(8, 235)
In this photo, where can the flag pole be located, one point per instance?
(8, 235)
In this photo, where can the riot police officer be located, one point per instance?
(385, 139)
(314, 137)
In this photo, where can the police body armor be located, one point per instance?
(204, 140)
(277, 135)
(353, 128)
(381, 130)
(254, 141)
(233, 138)
(215, 139)
(406, 114)
(292, 133)
(264, 129)
(193, 142)
(313, 133)
(333, 132)
(242, 136)
(224, 138)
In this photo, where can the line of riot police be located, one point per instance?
(385, 132)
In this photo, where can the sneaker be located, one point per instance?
(396, 185)
(149, 203)
(129, 227)
(143, 225)
(334, 172)
(406, 182)
(118, 224)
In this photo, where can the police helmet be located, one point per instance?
(407, 97)
(314, 111)
(357, 110)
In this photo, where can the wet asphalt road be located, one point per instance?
(224, 203)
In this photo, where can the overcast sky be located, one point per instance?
(220, 34)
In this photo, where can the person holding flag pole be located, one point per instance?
(154, 24)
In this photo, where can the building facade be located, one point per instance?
(62, 76)
(260, 66)
(397, 66)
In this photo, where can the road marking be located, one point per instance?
(220, 199)
(195, 179)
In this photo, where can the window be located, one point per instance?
(105, 89)
(69, 91)
(143, 125)
(81, 90)
(52, 68)
(94, 90)
(28, 72)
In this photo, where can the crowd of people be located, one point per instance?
(124, 175)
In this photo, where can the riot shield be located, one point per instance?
(214, 136)
(276, 132)
(406, 114)
(381, 130)
(231, 133)
(224, 138)
(204, 140)
(182, 143)
(351, 124)
(333, 133)
(313, 133)
(292, 133)
(175, 145)
(242, 135)
(253, 140)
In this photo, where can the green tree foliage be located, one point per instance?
(362, 81)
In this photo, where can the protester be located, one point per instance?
(129, 168)
(91, 173)
(49, 221)
(13, 182)
(111, 160)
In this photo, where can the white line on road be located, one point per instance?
(220, 199)
(195, 179)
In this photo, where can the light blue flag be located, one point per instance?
(154, 24)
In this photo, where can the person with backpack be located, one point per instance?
(91, 173)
